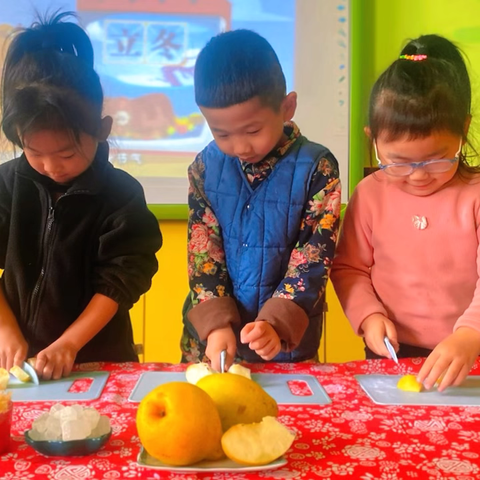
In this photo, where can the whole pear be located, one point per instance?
(238, 399)
(178, 424)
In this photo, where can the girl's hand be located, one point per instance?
(13, 347)
(56, 361)
(375, 328)
(218, 340)
(262, 338)
(451, 359)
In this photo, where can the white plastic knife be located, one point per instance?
(390, 349)
(31, 371)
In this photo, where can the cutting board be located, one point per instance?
(382, 389)
(275, 384)
(58, 390)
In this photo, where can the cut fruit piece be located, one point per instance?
(240, 370)
(19, 373)
(31, 361)
(257, 443)
(409, 383)
(4, 378)
(197, 371)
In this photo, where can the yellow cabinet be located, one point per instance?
(162, 327)
(164, 301)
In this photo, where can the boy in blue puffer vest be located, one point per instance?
(264, 206)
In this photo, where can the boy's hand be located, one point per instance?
(218, 340)
(13, 347)
(375, 328)
(451, 359)
(262, 338)
(56, 361)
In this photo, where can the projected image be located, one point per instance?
(145, 52)
(146, 61)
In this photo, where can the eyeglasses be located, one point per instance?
(430, 166)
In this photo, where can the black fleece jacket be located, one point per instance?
(98, 237)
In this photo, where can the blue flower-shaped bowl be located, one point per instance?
(71, 448)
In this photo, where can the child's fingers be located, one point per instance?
(260, 343)
(270, 351)
(57, 372)
(427, 367)
(245, 332)
(391, 333)
(231, 351)
(214, 362)
(9, 361)
(45, 367)
(462, 375)
(19, 358)
(376, 344)
(40, 363)
(450, 375)
(267, 348)
(214, 356)
(432, 369)
(250, 332)
(67, 369)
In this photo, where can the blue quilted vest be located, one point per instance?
(260, 229)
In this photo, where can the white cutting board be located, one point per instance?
(58, 390)
(275, 384)
(382, 389)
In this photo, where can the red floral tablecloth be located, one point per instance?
(349, 438)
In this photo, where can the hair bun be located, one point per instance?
(65, 38)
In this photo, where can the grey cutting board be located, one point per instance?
(57, 390)
(382, 389)
(275, 384)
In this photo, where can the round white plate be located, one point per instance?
(224, 465)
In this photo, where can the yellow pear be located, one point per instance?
(178, 424)
(4, 378)
(238, 399)
(409, 383)
(257, 443)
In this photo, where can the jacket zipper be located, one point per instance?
(45, 257)
(34, 299)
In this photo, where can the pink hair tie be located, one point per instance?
(413, 58)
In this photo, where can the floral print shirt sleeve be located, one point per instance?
(311, 259)
(207, 270)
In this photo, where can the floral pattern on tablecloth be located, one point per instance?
(349, 438)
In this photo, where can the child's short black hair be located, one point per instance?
(236, 66)
(426, 89)
(49, 82)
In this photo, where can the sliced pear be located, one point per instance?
(240, 370)
(19, 373)
(409, 383)
(197, 371)
(257, 443)
(5, 401)
(31, 361)
(4, 378)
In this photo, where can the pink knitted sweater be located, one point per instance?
(426, 280)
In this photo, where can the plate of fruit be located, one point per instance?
(221, 422)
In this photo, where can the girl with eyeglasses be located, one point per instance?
(407, 266)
